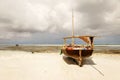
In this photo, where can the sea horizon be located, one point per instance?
(55, 44)
(96, 46)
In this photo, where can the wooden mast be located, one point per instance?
(72, 28)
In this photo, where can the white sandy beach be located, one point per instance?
(19, 65)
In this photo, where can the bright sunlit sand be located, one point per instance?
(20, 65)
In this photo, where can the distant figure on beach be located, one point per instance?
(17, 45)
(32, 52)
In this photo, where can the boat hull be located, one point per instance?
(76, 54)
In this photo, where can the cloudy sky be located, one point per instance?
(48, 21)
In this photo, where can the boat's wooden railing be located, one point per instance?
(73, 45)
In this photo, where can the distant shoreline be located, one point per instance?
(109, 49)
(55, 44)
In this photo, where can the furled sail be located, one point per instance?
(87, 39)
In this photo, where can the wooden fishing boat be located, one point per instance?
(77, 51)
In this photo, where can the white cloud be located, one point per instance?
(23, 18)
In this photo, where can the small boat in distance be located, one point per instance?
(77, 51)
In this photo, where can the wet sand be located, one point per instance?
(21, 65)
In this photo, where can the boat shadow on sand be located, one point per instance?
(71, 61)
(86, 61)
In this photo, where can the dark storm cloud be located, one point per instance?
(94, 13)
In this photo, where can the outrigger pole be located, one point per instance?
(72, 28)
